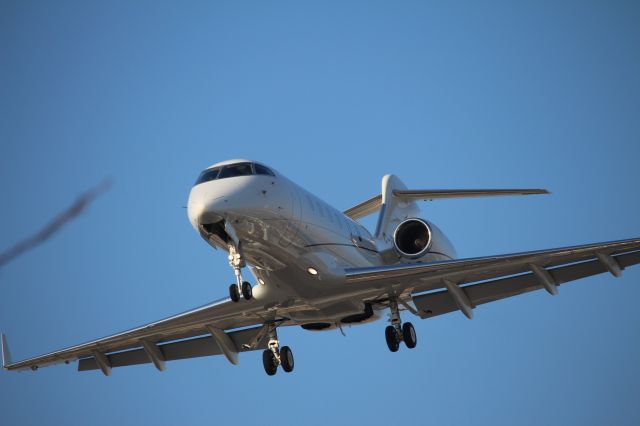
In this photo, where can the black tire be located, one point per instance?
(269, 362)
(286, 359)
(393, 339)
(247, 291)
(234, 294)
(409, 335)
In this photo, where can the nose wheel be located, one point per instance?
(241, 287)
(397, 332)
(245, 290)
(234, 294)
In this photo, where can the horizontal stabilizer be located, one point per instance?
(373, 204)
(434, 194)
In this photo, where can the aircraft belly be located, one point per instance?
(334, 314)
(294, 294)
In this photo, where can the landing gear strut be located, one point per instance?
(276, 356)
(398, 332)
(241, 287)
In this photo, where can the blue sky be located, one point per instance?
(334, 95)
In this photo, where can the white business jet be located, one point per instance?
(318, 268)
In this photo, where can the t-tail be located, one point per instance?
(400, 229)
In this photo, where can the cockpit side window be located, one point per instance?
(262, 170)
(207, 175)
(233, 170)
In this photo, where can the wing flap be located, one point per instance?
(191, 348)
(119, 359)
(441, 302)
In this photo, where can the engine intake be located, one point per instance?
(412, 238)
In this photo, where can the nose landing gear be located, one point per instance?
(241, 287)
(247, 291)
(234, 294)
(398, 332)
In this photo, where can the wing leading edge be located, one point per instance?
(464, 284)
(195, 333)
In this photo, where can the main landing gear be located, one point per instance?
(240, 287)
(398, 332)
(276, 356)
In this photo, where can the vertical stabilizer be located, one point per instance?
(6, 356)
(393, 210)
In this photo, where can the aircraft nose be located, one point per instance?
(194, 211)
(209, 201)
(201, 212)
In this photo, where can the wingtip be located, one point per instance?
(6, 355)
(540, 191)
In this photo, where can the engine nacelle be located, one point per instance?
(412, 238)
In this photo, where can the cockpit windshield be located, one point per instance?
(233, 170)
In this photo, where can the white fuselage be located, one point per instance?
(282, 230)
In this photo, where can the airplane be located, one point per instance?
(320, 269)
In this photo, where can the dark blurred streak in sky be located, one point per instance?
(56, 224)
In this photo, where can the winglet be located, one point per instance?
(6, 355)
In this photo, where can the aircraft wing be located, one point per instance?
(435, 288)
(199, 332)
(464, 284)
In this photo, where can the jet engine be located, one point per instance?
(412, 238)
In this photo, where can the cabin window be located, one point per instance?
(326, 211)
(338, 221)
(329, 213)
(355, 232)
(310, 201)
(343, 223)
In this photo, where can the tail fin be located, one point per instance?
(393, 209)
(6, 355)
